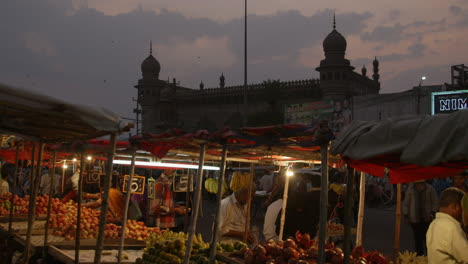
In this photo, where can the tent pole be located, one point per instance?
(105, 200)
(62, 185)
(396, 245)
(362, 198)
(323, 202)
(214, 239)
(78, 214)
(127, 204)
(187, 201)
(32, 201)
(348, 213)
(196, 206)
(249, 203)
(283, 211)
(12, 198)
(49, 203)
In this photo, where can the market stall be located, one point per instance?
(40, 120)
(405, 150)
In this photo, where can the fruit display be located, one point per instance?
(240, 180)
(211, 186)
(20, 205)
(303, 250)
(138, 230)
(169, 248)
(411, 258)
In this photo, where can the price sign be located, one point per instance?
(93, 176)
(137, 186)
(151, 184)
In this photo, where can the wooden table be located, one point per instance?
(65, 251)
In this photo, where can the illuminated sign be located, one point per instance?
(449, 102)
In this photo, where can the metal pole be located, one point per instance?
(396, 246)
(32, 202)
(49, 203)
(249, 204)
(188, 201)
(78, 214)
(62, 187)
(196, 207)
(245, 64)
(214, 239)
(283, 210)
(105, 200)
(12, 198)
(362, 198)
(348, 213)
(323, 203)
(127, 203)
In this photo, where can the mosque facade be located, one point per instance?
(165, 104)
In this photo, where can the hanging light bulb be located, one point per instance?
(65, 166)
(89, 158)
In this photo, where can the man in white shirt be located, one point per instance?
(4, 186)
(271, 215)
(266, 182)
(446, 240)
(233, 213)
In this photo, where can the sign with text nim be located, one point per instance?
(449, 102)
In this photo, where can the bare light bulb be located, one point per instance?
(89, 158)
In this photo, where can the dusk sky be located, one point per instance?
(90, 52)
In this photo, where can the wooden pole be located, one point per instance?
(285, 204)
(127, 204)
(348, 214)
(62, 185)
(12, 198)
(49, 203)
(105, 200)
(32, 202)
(323, 203)
(362, 199)
(396, 245)
(214, 239)
(78, 214)
(188, 201)
(196, 206)
(249, 203)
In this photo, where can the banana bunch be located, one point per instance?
(240, 180)
(411, 258)
(211, 186)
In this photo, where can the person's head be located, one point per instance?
(168, 172)
(420, 186)
(242, 195)
(459, 181)
(450, 202)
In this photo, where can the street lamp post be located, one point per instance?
(423, 78)
(245, 64)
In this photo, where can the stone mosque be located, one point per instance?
(165, 104)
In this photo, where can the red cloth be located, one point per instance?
(70, 196)
(164, 197)
(403, 173)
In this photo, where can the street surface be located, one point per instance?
(378, 233)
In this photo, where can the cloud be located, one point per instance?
(385, 34)
(455, 10)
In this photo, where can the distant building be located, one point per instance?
(166, 104)
(417, 101)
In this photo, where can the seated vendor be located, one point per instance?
(233, 213)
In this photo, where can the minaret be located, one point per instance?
(335, 70)
(202, 86)
(376, 75)
(364, 70)
(221, 81)
(149, 89)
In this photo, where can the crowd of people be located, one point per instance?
(436, 212)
